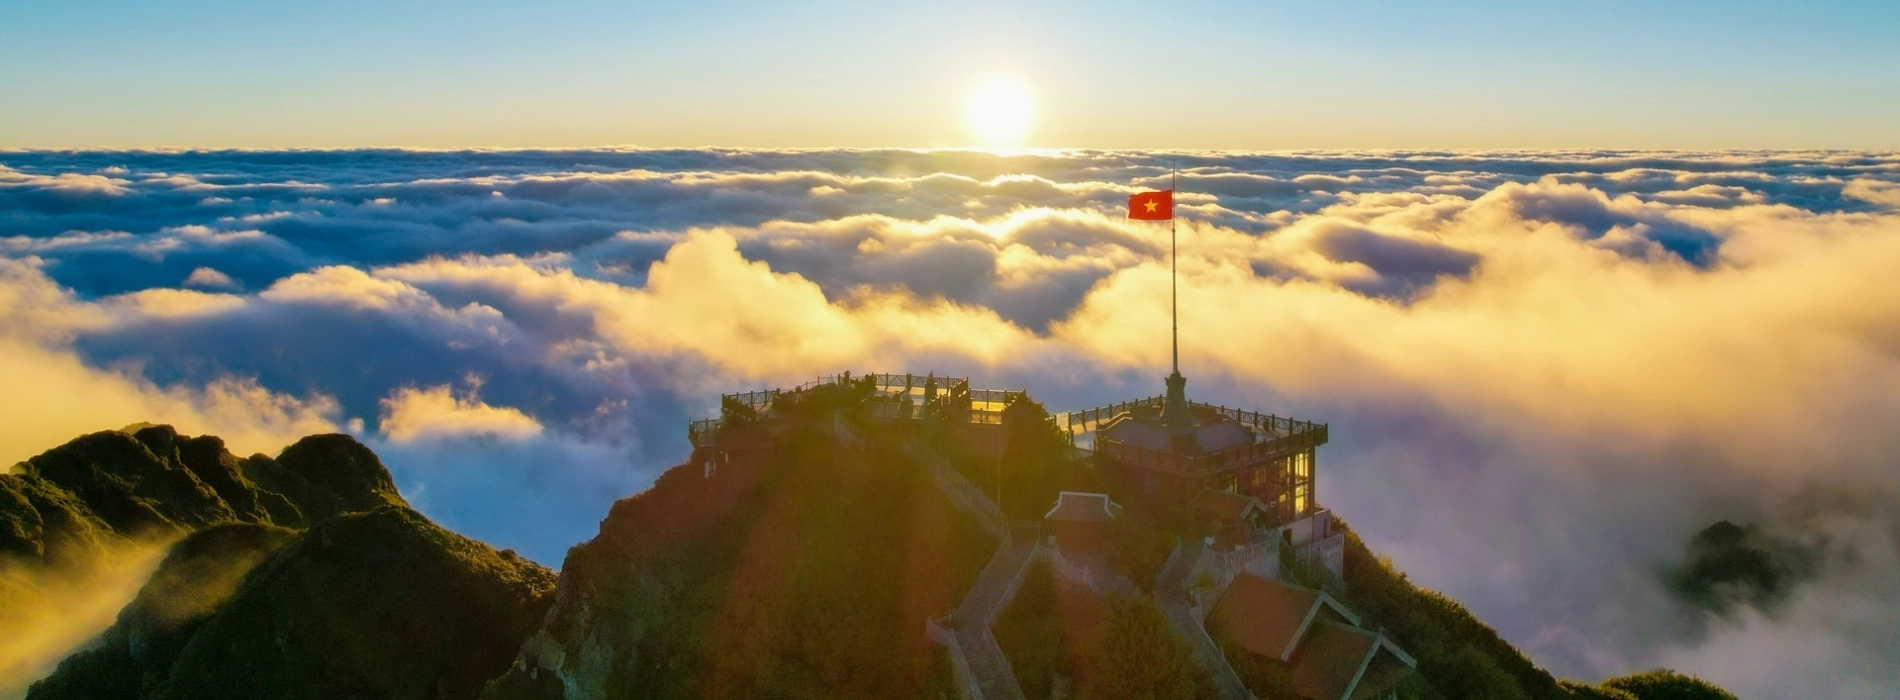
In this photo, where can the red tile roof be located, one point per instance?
(1229, 507)
(1263, 616)
(1329, 660)
(1078, 507)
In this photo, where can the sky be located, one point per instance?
(848, 73)
(1543, 371)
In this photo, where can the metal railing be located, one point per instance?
(1261, 554)
(1263, 423)
(964, 495)
(959, 663)
(1272, 447)
(952, 399)
(704, 433)
(1321, 556)
(1087, 419)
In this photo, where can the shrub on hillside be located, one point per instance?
(1030, 632)
(1664, 684)
(1141, 657)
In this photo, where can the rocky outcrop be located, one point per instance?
(64, 506)
(303, 575)
(375, 604)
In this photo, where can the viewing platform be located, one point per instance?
(1269, 437)
(895, 397)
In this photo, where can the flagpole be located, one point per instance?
(1174, 294)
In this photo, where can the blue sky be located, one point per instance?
(1115, 75)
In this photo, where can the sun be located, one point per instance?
(1000, 111)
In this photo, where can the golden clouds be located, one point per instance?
(412, 414)
(54, 393)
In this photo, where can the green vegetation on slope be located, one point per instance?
(1030, 633)
(83, 524)
(372, 599)
(378, 604)
(803, 569)
(63, 506)
(196, 577)
(1585, 691)
(1459, 657)
(1663, 684)
(1140, 656)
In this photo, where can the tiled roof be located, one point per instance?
(1078, 507)
(1263, 616)
(1147, 433)
(1212, 433)
(1229, 507)
(1329, 655)
(1385, 671)
(1329, 658)
(1222, 434)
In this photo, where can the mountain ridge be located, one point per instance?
(802, 567)
(307, 571)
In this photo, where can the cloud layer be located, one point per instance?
(1545, 371)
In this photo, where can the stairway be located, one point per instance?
(994, 588)
(994, 677)
(997, 584)
(1171, 590)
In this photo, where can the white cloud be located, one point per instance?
(1545, 370)
(208, 277)
(58, 396)
(411, 414)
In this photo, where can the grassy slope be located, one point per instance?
(800, 571)
(1458, 655)
(373, 599)
(378, 604)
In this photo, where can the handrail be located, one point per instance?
(1313, 435)
(959, 663)
(1084, 419)
(954, 399)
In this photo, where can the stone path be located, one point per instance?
(993, 590)
(1171, 590)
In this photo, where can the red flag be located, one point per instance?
(1151, 206)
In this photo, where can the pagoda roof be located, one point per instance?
(1082, 507)
(1348, 663)
(1329, 655)
(1210, 432)
(1269, 617)
(1227, 506)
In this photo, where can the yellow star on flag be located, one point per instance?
(1151, 206)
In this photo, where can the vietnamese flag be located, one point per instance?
(1151, 206)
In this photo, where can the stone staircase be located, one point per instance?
(1171, 591)
(994, 677)
(976, 651)
(997, 584)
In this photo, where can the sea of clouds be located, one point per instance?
(1544, 371)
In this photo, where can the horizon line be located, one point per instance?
(990, 150)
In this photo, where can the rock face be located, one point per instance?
(306, 575)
